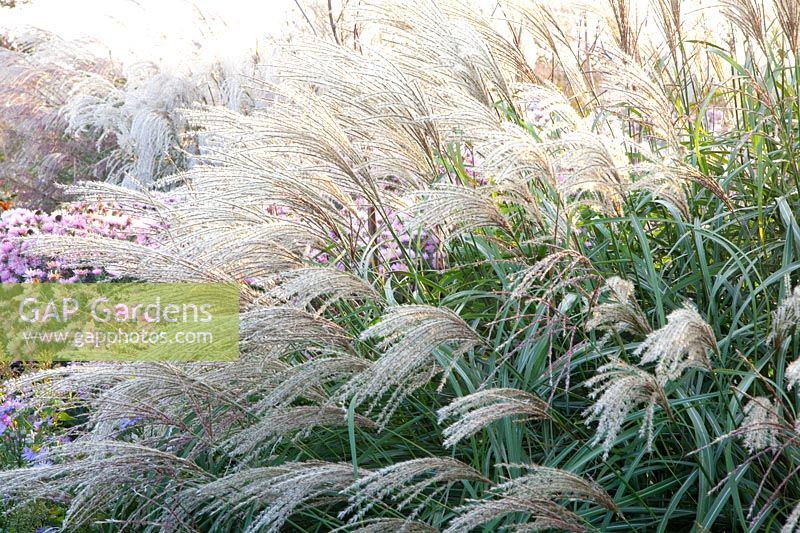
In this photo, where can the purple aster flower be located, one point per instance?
(125, 423)
(38, 423)
(34, 273)
(5, 423)
(18, 224)
(11, 404)
(36, 457)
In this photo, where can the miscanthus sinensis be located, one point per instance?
(792, 374)
(403, 482)
(761, 425)
(621, 312)
(619, 389)
(536, 493)
(786, 317)
(790, 526)
(381, 525)
(682, 343)
(268, 496)
(476, 411)
(413, 338)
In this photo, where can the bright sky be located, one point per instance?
(170, 32)
(185, 33)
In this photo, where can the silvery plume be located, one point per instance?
(682, 343)
(618, 389)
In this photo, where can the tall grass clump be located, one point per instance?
(495, 276)
(80, 109)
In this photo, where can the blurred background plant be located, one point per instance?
(25, 436)
(82, 107)
(525, 267)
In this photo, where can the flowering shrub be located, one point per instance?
(84, 107)
(19, 224)
(27, 433)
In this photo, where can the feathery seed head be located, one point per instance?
(760, 425)
(535, 493)
(94, 474)
(682, 343)
(302, 286)
(791, 524)
(786, 318)
(618, 389)
(412, 335)
(547, 483)
(278, 423)
(289, 326)
(271, 493)
(403, 482)
(792, 374)
(566, 267)
(620, 314)
(457, 209)
(381, 525)
(544, 515)
(788, 13)
(477, 410)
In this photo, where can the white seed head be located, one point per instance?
(618, 389)
(760, 426)
(382, 525)
(301, 287)
(403, 482)
(457, 209)
(411, 337)
(786, 318)
(537, 494)
(791, 524)
(621, 313)
(792, 374)
(477, 410)
(271, 493)
(682, 343)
